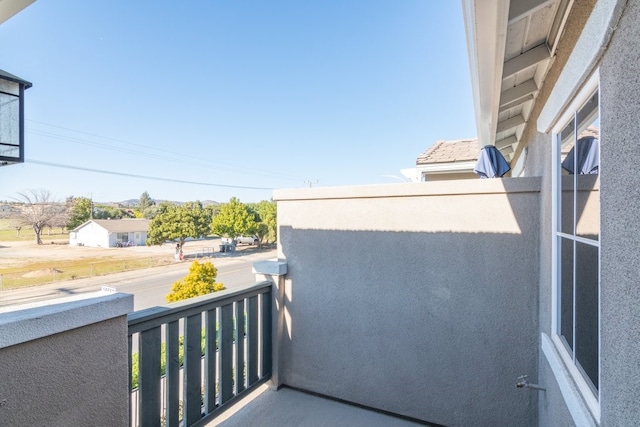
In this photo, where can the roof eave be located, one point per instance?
(486, 49)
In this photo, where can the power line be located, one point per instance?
(132, 175)
(154, 150)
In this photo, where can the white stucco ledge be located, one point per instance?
(417, 189)
(27, 322)
(271, 267)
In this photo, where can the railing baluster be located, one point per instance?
(192, 369)
(149, 377)
(210, 361)
(266, 334)
(172, 351)
(239, 341)
(226, 353)
(252, 340)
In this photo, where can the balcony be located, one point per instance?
(418, 302)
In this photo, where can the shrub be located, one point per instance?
(201, 280)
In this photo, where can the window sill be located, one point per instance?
(580, 400)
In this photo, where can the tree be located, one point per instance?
(201, 280)
(79, 211)
(234, 219)
(176, 223)
(39, 210)
(107, 212)
(145, 201)
(267, 226)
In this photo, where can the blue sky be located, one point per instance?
(260, 94)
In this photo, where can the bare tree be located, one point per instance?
(39, 210)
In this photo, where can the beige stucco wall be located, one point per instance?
(620, 230)
(414, 298)
(77, 376)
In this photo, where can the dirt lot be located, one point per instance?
(18, 254)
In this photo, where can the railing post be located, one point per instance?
(273, 307)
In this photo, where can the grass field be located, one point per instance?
(9, 234)
(59, 270)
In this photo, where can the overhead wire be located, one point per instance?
(155, 151)
(133, 175)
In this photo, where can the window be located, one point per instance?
(122, 237)
(577, 234)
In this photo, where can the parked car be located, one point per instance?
(242, 240)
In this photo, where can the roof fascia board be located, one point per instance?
(486, 48)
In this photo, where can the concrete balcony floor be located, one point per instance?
(286, 407)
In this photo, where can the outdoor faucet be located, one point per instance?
(523, 382)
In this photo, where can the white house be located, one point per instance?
(110, 233)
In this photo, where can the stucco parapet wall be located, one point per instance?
(421, 189)
(270, 267)
(27, 322)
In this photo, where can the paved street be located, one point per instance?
(149, 286)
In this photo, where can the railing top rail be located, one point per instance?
(155, 316)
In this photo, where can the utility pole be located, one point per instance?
(310, 182)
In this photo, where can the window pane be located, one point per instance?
(588, 206)
(567, 179)
(588, 167)
(587, 295)
(566, 290)
(9, 119)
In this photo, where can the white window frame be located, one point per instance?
(592, 401)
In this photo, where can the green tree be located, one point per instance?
(79, 211)
(145, 201)
(267, 227)
(201, 280)
(107, 212)
(177, 223)
(234, 219)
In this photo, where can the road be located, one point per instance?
(148, 286)
(150, 291)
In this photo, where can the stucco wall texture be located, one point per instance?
(620, 246)
(423, 305)
(74, 378)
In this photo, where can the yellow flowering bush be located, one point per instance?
(201, 280)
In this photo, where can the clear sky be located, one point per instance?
(252, 93)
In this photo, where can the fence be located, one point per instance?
(213, 349)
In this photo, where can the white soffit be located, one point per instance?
(510, 45)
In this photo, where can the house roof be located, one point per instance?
(120, 225)
(461, 150)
